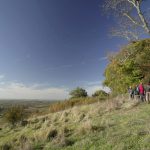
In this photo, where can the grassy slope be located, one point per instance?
(118, 125)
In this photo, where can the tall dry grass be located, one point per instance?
(59, 106)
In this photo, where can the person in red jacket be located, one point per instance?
(141, 91)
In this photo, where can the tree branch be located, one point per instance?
(131, 19)
(142, 18)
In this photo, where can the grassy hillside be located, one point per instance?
(117, 124)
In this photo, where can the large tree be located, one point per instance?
(132, 18)
(122, 73)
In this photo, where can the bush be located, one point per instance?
(78, 93)
(100, 94)
(14, 114)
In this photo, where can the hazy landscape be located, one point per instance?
(75, 75)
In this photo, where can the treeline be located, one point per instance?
(79, 97)
(128, 67)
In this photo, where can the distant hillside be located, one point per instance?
(116, 124)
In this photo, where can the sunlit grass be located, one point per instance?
(116, 124)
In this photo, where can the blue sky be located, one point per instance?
(49, 47)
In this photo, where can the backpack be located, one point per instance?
(148, 88)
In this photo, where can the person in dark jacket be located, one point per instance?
(136, 92)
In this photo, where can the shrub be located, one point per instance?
(78, 92)
(100, 94)
(14, 114)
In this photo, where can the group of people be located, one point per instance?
(140, 91)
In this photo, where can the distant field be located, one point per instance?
(7, 103)
(32, 107)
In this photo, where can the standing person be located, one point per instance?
(136, 92)
(148, 92)
(141, 91)
(131, 92)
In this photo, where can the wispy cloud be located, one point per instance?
(16, 90)
(102, 58)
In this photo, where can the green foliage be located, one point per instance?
(128, 67)
(100, 94)
(14, 114)
(78, 92)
